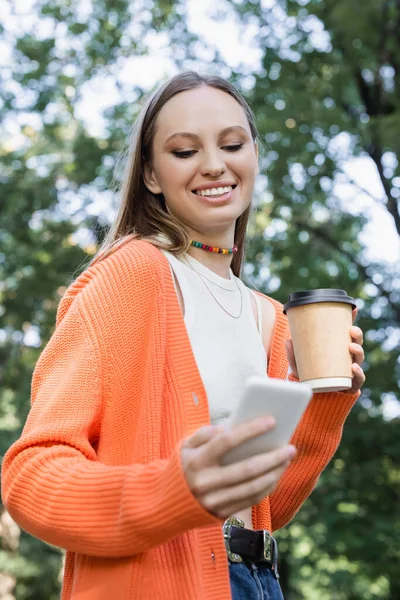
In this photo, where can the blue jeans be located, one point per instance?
(253, 582)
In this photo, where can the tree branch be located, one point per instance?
(362, 189)
(376, 154)
(322, 234)
(368, 94)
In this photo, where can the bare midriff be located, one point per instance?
(245, 515)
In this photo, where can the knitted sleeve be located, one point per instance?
(316, 437)
(53, 484)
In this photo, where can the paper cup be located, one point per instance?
(320, 322)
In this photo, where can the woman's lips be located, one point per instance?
(215, 200)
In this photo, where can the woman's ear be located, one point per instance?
(150, 179)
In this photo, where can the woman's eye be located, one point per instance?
(189, 153)
(233, 147)
(183, 153)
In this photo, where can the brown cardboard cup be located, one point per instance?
(320, 322)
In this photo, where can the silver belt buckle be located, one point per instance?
(267, 543)
(226, 530)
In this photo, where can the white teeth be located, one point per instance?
(215, 191)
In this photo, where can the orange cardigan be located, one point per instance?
(97, 468)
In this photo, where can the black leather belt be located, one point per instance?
(257, 546)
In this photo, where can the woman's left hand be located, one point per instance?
(356, 350)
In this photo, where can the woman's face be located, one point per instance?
(204, 160)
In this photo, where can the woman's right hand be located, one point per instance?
(225, 490)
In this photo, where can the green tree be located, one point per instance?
(329, 71)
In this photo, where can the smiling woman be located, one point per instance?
(120, 459)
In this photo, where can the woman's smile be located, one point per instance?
(215, 194)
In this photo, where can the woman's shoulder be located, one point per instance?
(270, 304)
(271, 308)
(268, 319)
(136, 253)
(273, 311)
(132, 268)
(275, 326)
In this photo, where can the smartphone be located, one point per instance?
(285, 400)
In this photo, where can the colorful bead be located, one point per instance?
(214, 248)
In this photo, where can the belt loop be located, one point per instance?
(267, 549)
(275, 560)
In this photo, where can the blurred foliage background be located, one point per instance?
(325, 89)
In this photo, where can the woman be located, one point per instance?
(118, 462)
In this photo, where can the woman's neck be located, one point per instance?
(219, 263)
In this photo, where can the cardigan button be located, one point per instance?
(195, 399)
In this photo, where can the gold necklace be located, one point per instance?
(203, 278)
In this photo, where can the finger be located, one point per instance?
(354, 313)
(249, 469)
(230, 437)
(201, 436)
(225, 502)
(356, 334)
(357, 352)
(358, 379)
(291, 357)
(216, 478)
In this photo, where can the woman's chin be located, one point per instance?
(217, 219)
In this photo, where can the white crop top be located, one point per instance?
(227, 350)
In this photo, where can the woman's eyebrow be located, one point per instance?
(233, 129)
(193, 136)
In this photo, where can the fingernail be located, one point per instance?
(292, 451)
(269, 421)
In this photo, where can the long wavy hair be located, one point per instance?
(144, 215)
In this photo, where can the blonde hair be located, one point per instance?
(144, 215)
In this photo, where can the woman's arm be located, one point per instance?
(318, 434)
(53, 484)
(316, 438)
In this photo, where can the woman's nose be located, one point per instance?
(212, 164)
